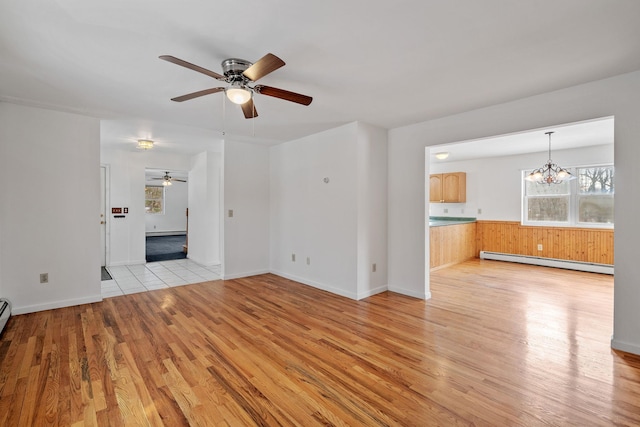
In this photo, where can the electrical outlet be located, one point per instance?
(44, 277)
(308, 261)
(293, 257)
(539, 246)
(479, 211)
(446, 210)
(373, 267)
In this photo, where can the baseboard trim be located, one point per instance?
(371, 292)
(409, 293)
(316, 285)
(121, 263)
(203, 263)
(246, 274)
(625, 346)
(56, 304)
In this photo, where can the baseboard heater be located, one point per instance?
(549, 262)
(5, 312)
(165, 233)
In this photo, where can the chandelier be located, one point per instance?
(145, 144)
(550, 173)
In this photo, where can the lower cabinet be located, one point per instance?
(451, 244)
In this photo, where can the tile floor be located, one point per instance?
(131, 279)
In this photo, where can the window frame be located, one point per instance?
(573, 205)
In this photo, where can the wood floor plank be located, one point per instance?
(498, 344)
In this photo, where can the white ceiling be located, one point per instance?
(565, 136)
(384, 63)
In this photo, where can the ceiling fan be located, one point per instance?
(166, 179)
(239, 74)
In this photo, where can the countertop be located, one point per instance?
(438, 221)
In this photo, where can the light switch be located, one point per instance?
(230, 213)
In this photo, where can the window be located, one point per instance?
(595, 195)
(583, 202)
(154, 200)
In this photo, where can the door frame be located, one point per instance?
(105, 189)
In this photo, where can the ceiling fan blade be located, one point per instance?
(178, 180)
(249, 109)
(197, 94)
(191, 66)
(283, 94)
(263, 66)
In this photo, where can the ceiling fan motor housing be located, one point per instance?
(234, 67)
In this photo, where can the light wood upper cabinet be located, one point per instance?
(448, 187)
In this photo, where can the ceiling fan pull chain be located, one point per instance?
(224, 116)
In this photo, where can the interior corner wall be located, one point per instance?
(50, 208)
(246, 193)
(314, 210)
(127, 182)
(372, 210)
(204, 208)
(604, 98)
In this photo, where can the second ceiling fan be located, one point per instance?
(239, 74)
(166, 179)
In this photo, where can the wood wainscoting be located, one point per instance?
(575, 244)
(451, 244)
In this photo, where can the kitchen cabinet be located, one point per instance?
(448, 187)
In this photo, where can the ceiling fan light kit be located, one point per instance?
(239, 74)
(238, 94)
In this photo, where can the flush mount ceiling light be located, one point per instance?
(442, 155)
(238, 93)
(145, 144)
(550, 173)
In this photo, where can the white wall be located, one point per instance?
(494, 185)
(246, 192)
(311, 218)
(339, 225)
(174, 219)
(372, 210)
(205, 208)
(127, 181)
(407, 169)
(50, 208)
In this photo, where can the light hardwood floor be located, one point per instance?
(498, 344)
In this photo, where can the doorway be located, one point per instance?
(166, 202)
(495, 191)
